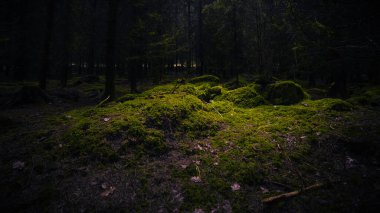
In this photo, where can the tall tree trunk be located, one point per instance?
(66, 58)
(234, 67)
(22, 43)
(189, 43)
(49, 32)
(200, 54)
(91, 56)
(109, 90)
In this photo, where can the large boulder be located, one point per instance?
(245, 97)
(285, 93)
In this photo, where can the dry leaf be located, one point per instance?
(264, 190)
(235, 187)
(196, 179)
(108, 192)
(18, 165)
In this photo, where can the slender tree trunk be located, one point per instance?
(91, 57)
(189, 43)
(109, 90)
(46, 57)
(22, 43)
(200, 63)
(66, 58)
(234, 67)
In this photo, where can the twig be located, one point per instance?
(291, 194)
(102, 102)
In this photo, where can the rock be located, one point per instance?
(285, 93)
(244, 97)
(211, 93)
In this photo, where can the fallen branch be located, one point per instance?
(291, 194)
(102, 102)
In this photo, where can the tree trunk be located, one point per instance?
(189, 59)
(200, 63)
(46, 57)
(66, 60)
(109, 90)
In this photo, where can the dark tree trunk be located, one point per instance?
(234, 66)
(66, 57)
(46, 57)
(109, 90)
(92, 43)
(189, 59)
(21, 29)
(200, 63)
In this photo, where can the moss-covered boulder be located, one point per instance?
(368, 97)
(205, 79)
(331, 104)
(210, 93)
(245, 97)
(285, 93)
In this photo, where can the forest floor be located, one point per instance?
(189, 147)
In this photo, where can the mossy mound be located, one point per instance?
(166, 112)
(285, 93)
(211, 93)
(368, 97)
(245, 97)
(331, 104)
(205, 79)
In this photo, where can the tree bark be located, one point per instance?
(49, 33)
(109, 90)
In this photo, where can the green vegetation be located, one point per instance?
(204, 141)
(285, 93)
(244, 97)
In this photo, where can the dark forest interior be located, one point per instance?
(189, 106)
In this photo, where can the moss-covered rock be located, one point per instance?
(166, 112)
(204, 79)
(285, 93)
(368, 97)
(245, 97)
(331, 104)
(127, 97)
(211, 93)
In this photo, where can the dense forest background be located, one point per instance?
(189, 106)
(320, 42)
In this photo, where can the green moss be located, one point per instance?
(210, 93)
(205, 78)
(201, 124)
(167, 111)
(285, 93)
(244, 97)
(331, 104)
(368, 97)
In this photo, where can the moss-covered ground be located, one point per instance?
(192, 147)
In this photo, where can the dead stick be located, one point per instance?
(291, 194)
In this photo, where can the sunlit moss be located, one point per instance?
(244, 97)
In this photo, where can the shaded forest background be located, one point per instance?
(320, 42)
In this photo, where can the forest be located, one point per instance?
(189, 106)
